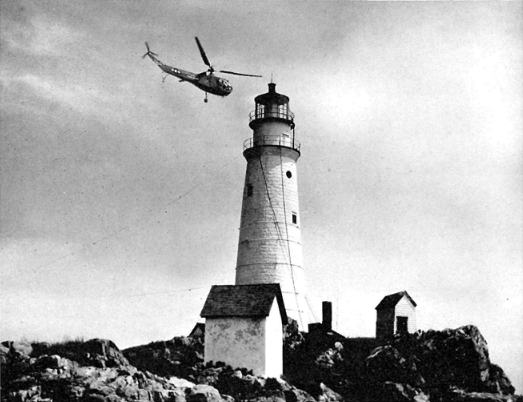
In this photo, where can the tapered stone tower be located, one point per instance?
(269, 249)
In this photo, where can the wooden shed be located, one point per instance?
(244, 327)
(396, 313)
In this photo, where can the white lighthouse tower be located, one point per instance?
(269, 249)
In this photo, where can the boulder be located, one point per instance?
(203, 393)
(177, 357)
(18, 349)
(328, 394)
(458, 395)
(129, 392)
(276, 384)
(386, 363)
(100, 387)
(53, 362)
(320, 392)
(23, 395)
(104, 352)
(114, 398)
(181, 383)
(85, 372)
(4, 351)
(297, 395)
(498, 382)
(95, 398)
(439, 360)
(395, 392)
(466, 352)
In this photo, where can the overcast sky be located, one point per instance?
(121, 194)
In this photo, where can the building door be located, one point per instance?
(402, 325)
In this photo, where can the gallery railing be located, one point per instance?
(275, 140)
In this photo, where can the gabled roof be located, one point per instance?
(243, 301)
(393, 299)
(200, 326)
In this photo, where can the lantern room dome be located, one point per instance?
(271, 97)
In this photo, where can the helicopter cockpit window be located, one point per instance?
(224, 83)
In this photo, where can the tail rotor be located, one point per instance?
(149, 53)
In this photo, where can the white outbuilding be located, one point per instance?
(244, 327)
(395, 314)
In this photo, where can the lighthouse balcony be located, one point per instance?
(272, 140)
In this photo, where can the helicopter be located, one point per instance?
(206, 81)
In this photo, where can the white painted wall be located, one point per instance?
(269, 248)
(247, 342)
(404, 308)
(274, 343)
(239, 342)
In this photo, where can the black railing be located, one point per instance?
(263, 114)
(276, 140)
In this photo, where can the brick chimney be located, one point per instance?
(327, 315)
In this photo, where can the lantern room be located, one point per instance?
(272, 122)
(271, 105)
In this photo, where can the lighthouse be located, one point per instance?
(269, 247)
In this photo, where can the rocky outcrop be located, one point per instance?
(437, 361)
(176, 357)
(183, 357)
(449, 365)
(242, 385)
(92, 371)
(96, 371)
(435, 366)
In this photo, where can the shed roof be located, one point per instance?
(200, 326)
(243, 301)
(393, 299)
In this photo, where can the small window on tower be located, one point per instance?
(249, 190)
(294, 218)
(289, 174)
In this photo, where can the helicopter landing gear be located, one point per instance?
(206, 100)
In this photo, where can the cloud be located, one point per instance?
(50, 37)
(40, 35)
(83, 99)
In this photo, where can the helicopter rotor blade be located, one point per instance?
(244, 75)
(202, 53)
